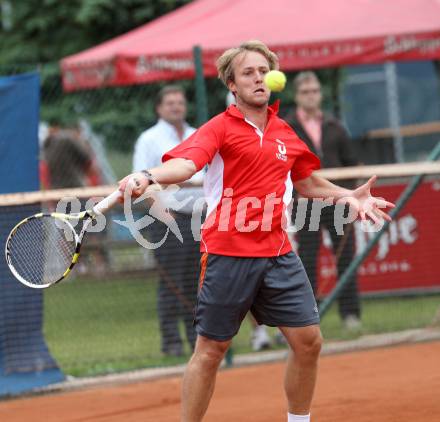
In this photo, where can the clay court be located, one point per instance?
(389, 384)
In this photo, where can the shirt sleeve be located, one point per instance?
(305, 164)
(201, 146)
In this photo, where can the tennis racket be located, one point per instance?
(41, 250)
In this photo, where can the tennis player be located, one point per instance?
(247, 262)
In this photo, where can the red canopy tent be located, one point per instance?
(312, 34)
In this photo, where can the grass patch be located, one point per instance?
(103, 326)
(383, 315)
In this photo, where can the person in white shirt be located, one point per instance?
(177, 262)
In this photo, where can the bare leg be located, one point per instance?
(302, 366)
(200, 376)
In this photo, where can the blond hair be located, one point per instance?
(224, 62)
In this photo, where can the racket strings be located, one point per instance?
(41, 250)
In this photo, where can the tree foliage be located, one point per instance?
(44, 31)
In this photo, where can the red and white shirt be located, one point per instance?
(248, 184)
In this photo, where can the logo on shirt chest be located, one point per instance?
(282, 150)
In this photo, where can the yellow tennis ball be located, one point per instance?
(275, 80)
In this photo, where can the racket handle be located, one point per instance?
(107, 203)
(113, 198)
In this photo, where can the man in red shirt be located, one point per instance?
(247, 264)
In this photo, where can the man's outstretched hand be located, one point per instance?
(368, 206)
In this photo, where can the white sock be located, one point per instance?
(260, 329)
(298, 418)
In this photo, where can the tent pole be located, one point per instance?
(201, 99)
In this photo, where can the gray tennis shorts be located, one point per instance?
(276, 290)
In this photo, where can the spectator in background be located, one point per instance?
(177, 262)
(327, 138)
(67, 161)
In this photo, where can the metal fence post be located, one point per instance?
(201, 99)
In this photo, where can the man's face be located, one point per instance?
(308, 95)
(249, 70)
(172, 109)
